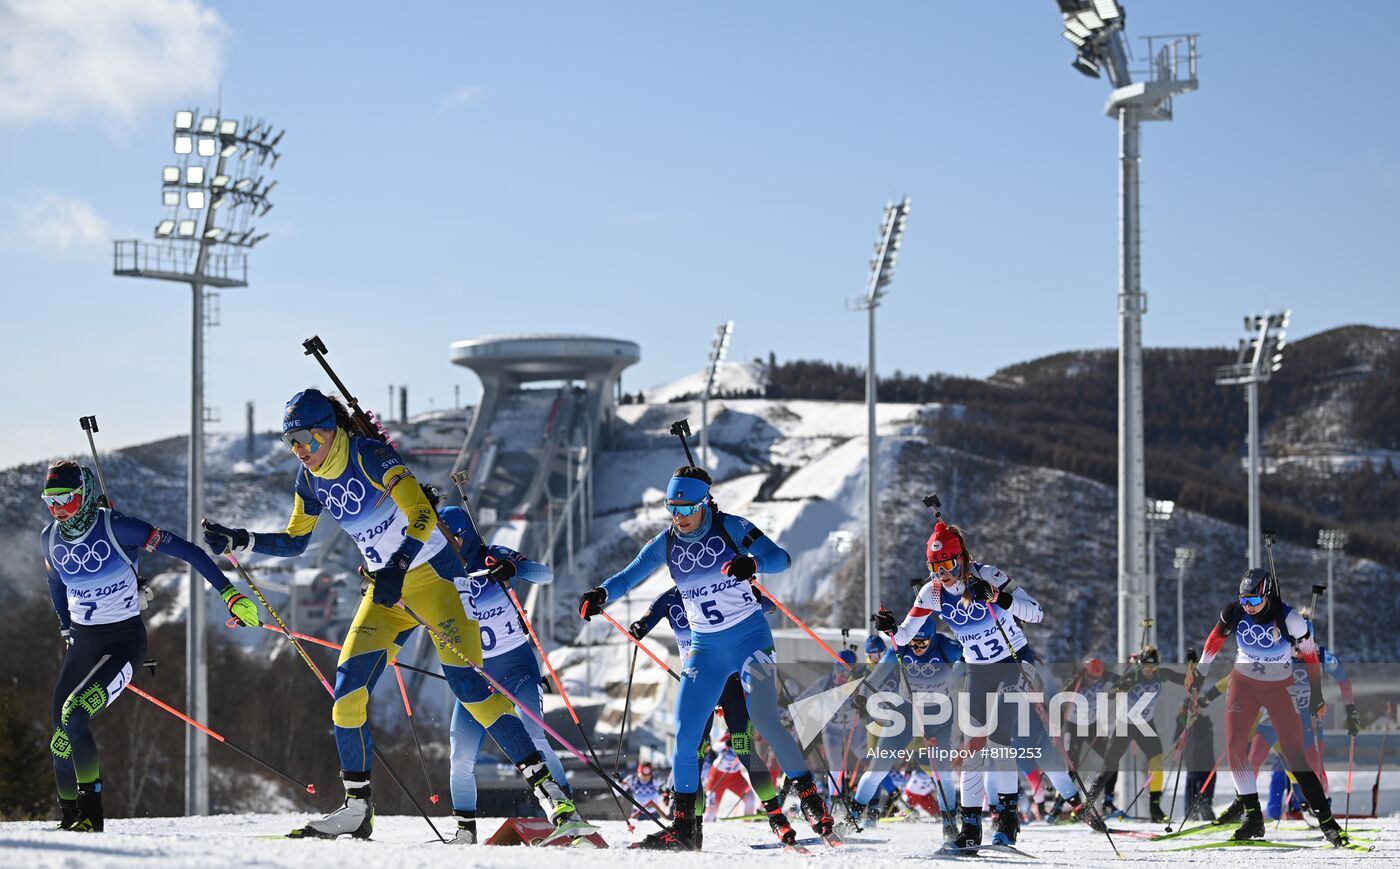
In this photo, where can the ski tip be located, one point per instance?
(311, 788)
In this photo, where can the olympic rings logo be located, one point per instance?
(1256, 635)
(923, 668)
(81, 558)
(343, 500)
(955, 614)
(700, 555)
(477, 585)
(676, 616)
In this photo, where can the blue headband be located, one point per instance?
(687, 489)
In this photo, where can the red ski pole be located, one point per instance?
(309, 788)
(795, 620)
(638, 643)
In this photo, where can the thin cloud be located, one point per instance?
(58, 224)
(466, 95)
(111, 58)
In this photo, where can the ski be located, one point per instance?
(817, 840)
(975, 851)
(1207, 827)
(1264, 843)
(571, 829)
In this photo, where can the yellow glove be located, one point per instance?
(242, 609)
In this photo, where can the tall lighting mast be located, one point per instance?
(718, 348)
(881, 273)
(211, 193)
(1095, 28)
(1260, 357)
(1333, 541)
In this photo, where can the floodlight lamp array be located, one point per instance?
(887, 248)
(1087, 25)
(1332, 538)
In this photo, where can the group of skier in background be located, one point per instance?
(427, 566)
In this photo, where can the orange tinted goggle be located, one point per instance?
(947, 565)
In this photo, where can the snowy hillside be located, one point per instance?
(732, 378)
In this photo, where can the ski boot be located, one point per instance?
(1056, 809)
(950, 827)
(1334, 832)
(778, 822)
(355, 816)
(1110, 811)
(466, 829)
(1253, 825)
(814, 809)
(851, 822)
(680, 835)
(1154, 807)
(1008, 820)
(89, 808)
(1233, 814)
(557, 805)
(69, 808)
(1083, 812)
(969, 835)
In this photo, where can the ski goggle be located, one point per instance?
(1252, 599)
(947, 565)
(683, 509)
(919, 643)
(301, 437)
(62, 500)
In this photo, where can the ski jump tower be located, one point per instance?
(529, 452)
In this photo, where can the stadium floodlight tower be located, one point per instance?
(211, 193)
(1332, 541)
(1260, 357)
(1158, 513)
(718, 348)
(1095, 28)
(881, 273)
(1181, 560)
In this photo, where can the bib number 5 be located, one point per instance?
(710, 610)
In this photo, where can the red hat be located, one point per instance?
(943, 544)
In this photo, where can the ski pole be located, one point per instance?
(520, 611)
(208, 731)
(795, 620)
(1376, 788)
(233, 623)
(825, 767)
(1351, 758)
(638, 643)
(413, 728)
(626, 716)
(89, 424)
(1073, 772)
(329, 690)
(538, 719)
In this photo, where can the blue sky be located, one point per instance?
(647, 170)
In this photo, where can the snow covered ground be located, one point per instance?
(231, 840)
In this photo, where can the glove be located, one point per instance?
(500, 570)
(637, 629)
(241, 608)
(220, 539)
(388, 580)
(742, 567)
(590, 603)
(884, 622)
(68, 637)
(1353, 720)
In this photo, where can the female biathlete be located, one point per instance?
(510, 659)
(366, 488)
(91, 551)
(972, 599)
(712, 556)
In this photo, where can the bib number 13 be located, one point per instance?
(993, 648)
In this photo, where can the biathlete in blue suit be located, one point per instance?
(712, 557)
(668, 605)
(929, 666)
(510, 659)
(90, 552)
